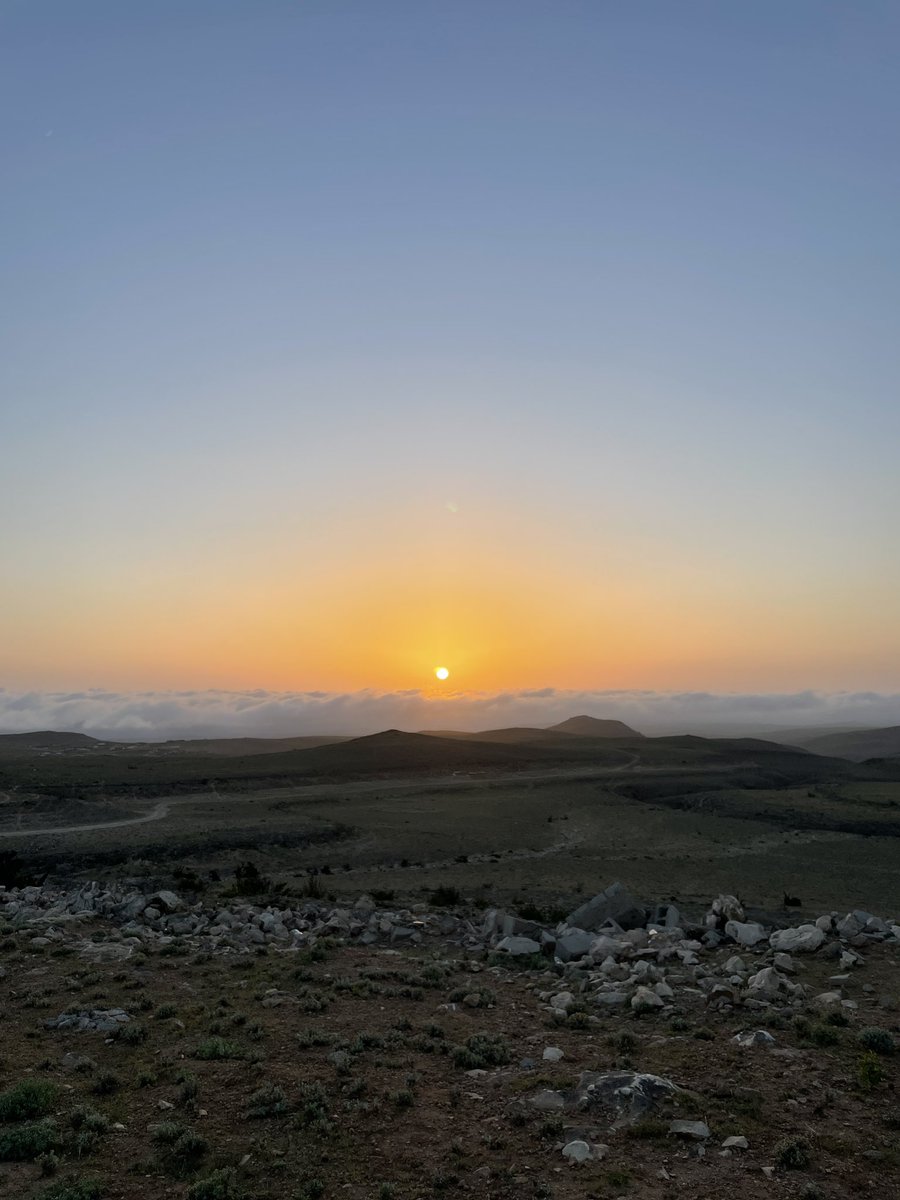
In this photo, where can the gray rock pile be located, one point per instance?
(611, 953)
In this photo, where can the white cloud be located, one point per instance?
(149, 716)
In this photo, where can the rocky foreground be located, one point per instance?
(160, 1047)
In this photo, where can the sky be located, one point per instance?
(553, 343)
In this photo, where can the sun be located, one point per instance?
(442, 673)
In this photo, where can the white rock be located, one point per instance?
(577, 1151)
(745, 933)
(519, 946)
(552, 1054)
(753, 1037)
(736, 1143)
(803, 939)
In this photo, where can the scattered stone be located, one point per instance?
(736, 1143)
(552, 1054)
(754, 1037)
(549, 1101)
(690, 1129)
(517, 946)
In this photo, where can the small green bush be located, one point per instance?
(877, 1040)
(869, 1072)
(28, 1099)
(49, 1163)
(482, 1050)
(132, 1035)
(167, 1132)
(106, 1083)
(218, 1048)
(85, 1117)
(267, 1101)
(73, 1189)
(792, 1154)
(824, 1035)
(28, 1141)
(218, 1185)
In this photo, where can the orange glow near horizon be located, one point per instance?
(510, 600)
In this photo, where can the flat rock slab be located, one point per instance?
(698, 1130)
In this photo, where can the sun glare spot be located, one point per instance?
(442, 672)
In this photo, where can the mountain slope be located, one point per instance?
(858, 745)
(594, 727)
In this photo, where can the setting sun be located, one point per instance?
(442, 672)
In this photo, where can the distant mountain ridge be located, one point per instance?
(594, 727)
(572, 727)
(858, 744)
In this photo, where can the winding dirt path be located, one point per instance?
(457, 780)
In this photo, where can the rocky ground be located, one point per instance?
(158, 1047)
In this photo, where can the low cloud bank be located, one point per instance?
(152, 716)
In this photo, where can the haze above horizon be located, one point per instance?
(552, 345)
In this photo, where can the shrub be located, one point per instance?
(248, 881)
(85, 1117)
(218, 1185)
(49, 1163)
(132, 1035)
(403, 1099)
(482, 1050)
(445, 897)
(28, 1099)
(167, 1132)
(73, 1189)
(870, 1072)
(824, 1035)
(268, 1101)
(218, 1047)
(792, 1154)
(314, 1107)
(28, 1141)
(106, 1083)
(311, 1189)
(877, 1040)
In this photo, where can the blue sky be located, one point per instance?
(284, 280)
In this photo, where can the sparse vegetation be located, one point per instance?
(792, 1154)
(28, 1099)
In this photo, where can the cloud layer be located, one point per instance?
(151, 716)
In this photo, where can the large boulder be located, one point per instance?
(745, 933)
(614, 904)
(518, 946)
(803, 939)
(167, 902)
(574, 943)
